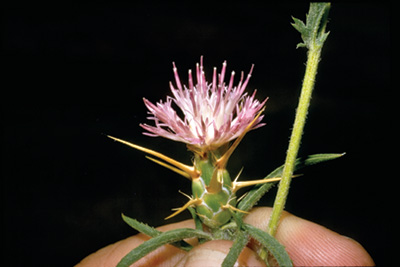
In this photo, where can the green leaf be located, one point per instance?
(271, 244)
(141, 227)
(313, 32)
(254, 195)
(158, 241)
(316, 158)
(240, 242)
(152, 232)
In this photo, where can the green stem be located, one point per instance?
(314, 36)
(301, 114)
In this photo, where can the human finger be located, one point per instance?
(213, 253)
(306, 242)
(166, 255)
(310, 244)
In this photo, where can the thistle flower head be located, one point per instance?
(213, 113)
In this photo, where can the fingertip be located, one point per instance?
(213, 253)
(310, 244)
(112, 254)
(321, 246)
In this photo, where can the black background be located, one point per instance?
(72, 73)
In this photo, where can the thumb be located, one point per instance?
(213, 253)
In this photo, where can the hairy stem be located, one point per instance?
(295, 139)
(313, 35)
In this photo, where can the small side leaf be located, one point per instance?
(301, 27)
(240, 242)
(271, 244)
(158, 241)
(313, 31)
(152, 232)
(258, 191)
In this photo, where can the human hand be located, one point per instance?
(307, 243)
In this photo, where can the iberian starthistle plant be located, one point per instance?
(215, 116)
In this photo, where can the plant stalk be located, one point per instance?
(295, 139)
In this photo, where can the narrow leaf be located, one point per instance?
(152, 232)
(141, 227)
(253, 197)
(318, 158)
(240, 242)
(271, 244)
(158, 241)
(258, 191)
